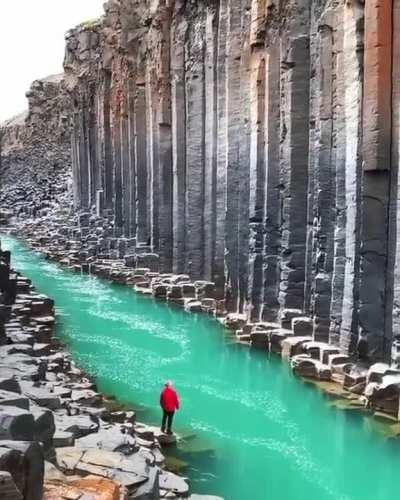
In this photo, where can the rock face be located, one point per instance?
(250, 143)
(35, 148)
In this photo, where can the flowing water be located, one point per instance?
(253, 431)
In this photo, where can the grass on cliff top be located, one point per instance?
(91, 24)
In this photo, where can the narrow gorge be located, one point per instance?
(238, 158)
(253, 144)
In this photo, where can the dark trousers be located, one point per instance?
(167, 418)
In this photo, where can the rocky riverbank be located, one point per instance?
(59, 437)
(89, 245)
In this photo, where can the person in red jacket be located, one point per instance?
(169, 403)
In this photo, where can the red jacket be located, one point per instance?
(169, 400)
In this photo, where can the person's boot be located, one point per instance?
(163, 430)
(169, 432)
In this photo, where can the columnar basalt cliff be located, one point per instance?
(251, 143)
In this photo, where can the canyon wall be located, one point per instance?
(35, 161)
(252, 143)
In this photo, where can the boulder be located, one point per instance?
(44, 426)
(337, 359)
(170, 482)
(159, 290)
(10, 384)
(24, 461)
(192, 305)
(276, 337)
(357, 377)
(150, 490)
(11, 462)
(22, 367)
(189, 290)
(302, 325)
(293, 345)
(16, 349)
(16, 423)
(376, 372)
(305, 366)
(85, 396)
(174, 292)
(8, 488)
(63, 439)
(41, 349)
(41, 396)
(286, 316)
(260, 339)
(235, 321)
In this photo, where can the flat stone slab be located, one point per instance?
(204, 497)
(88, 488)
(63, 439)
(8, 398)
(171, 482)
(42, 397)
(111, 439)
(129, 471)
(78, 425)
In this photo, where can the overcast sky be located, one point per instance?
(32, 43)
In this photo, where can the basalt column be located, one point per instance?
(234, 165)
(353, 29)
(221, 176)
(126, 156)
(211, 123)
(117, 102)
(258, 66)
(273, 200)
(295, 81)
(393, 321)
(257, 182)
(129, 138)
(324, 181)
(107, 146)
(162, 171)
(142, 167)
(339, 160)
(178, 103)
(244, 155)
(195, 147)
(375, 340)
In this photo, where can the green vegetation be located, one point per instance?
(91, 24)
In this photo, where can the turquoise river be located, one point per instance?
(257, 432)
